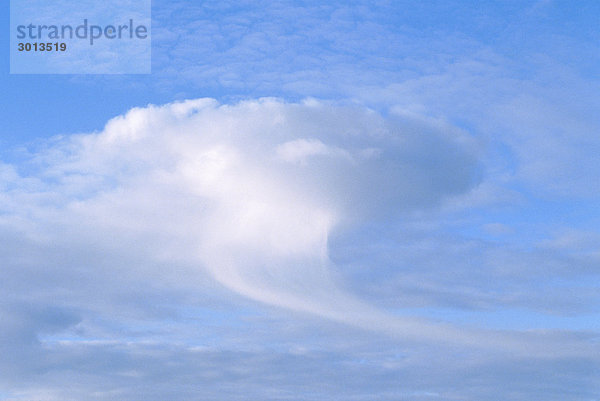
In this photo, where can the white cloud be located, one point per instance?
(248, 193)
(298, 150)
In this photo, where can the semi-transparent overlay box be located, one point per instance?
(80, 37)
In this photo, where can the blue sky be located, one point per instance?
(386, 200)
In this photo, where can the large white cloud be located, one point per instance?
(248, 193)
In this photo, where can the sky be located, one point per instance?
(334, 200)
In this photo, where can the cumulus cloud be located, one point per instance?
(248, 193)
